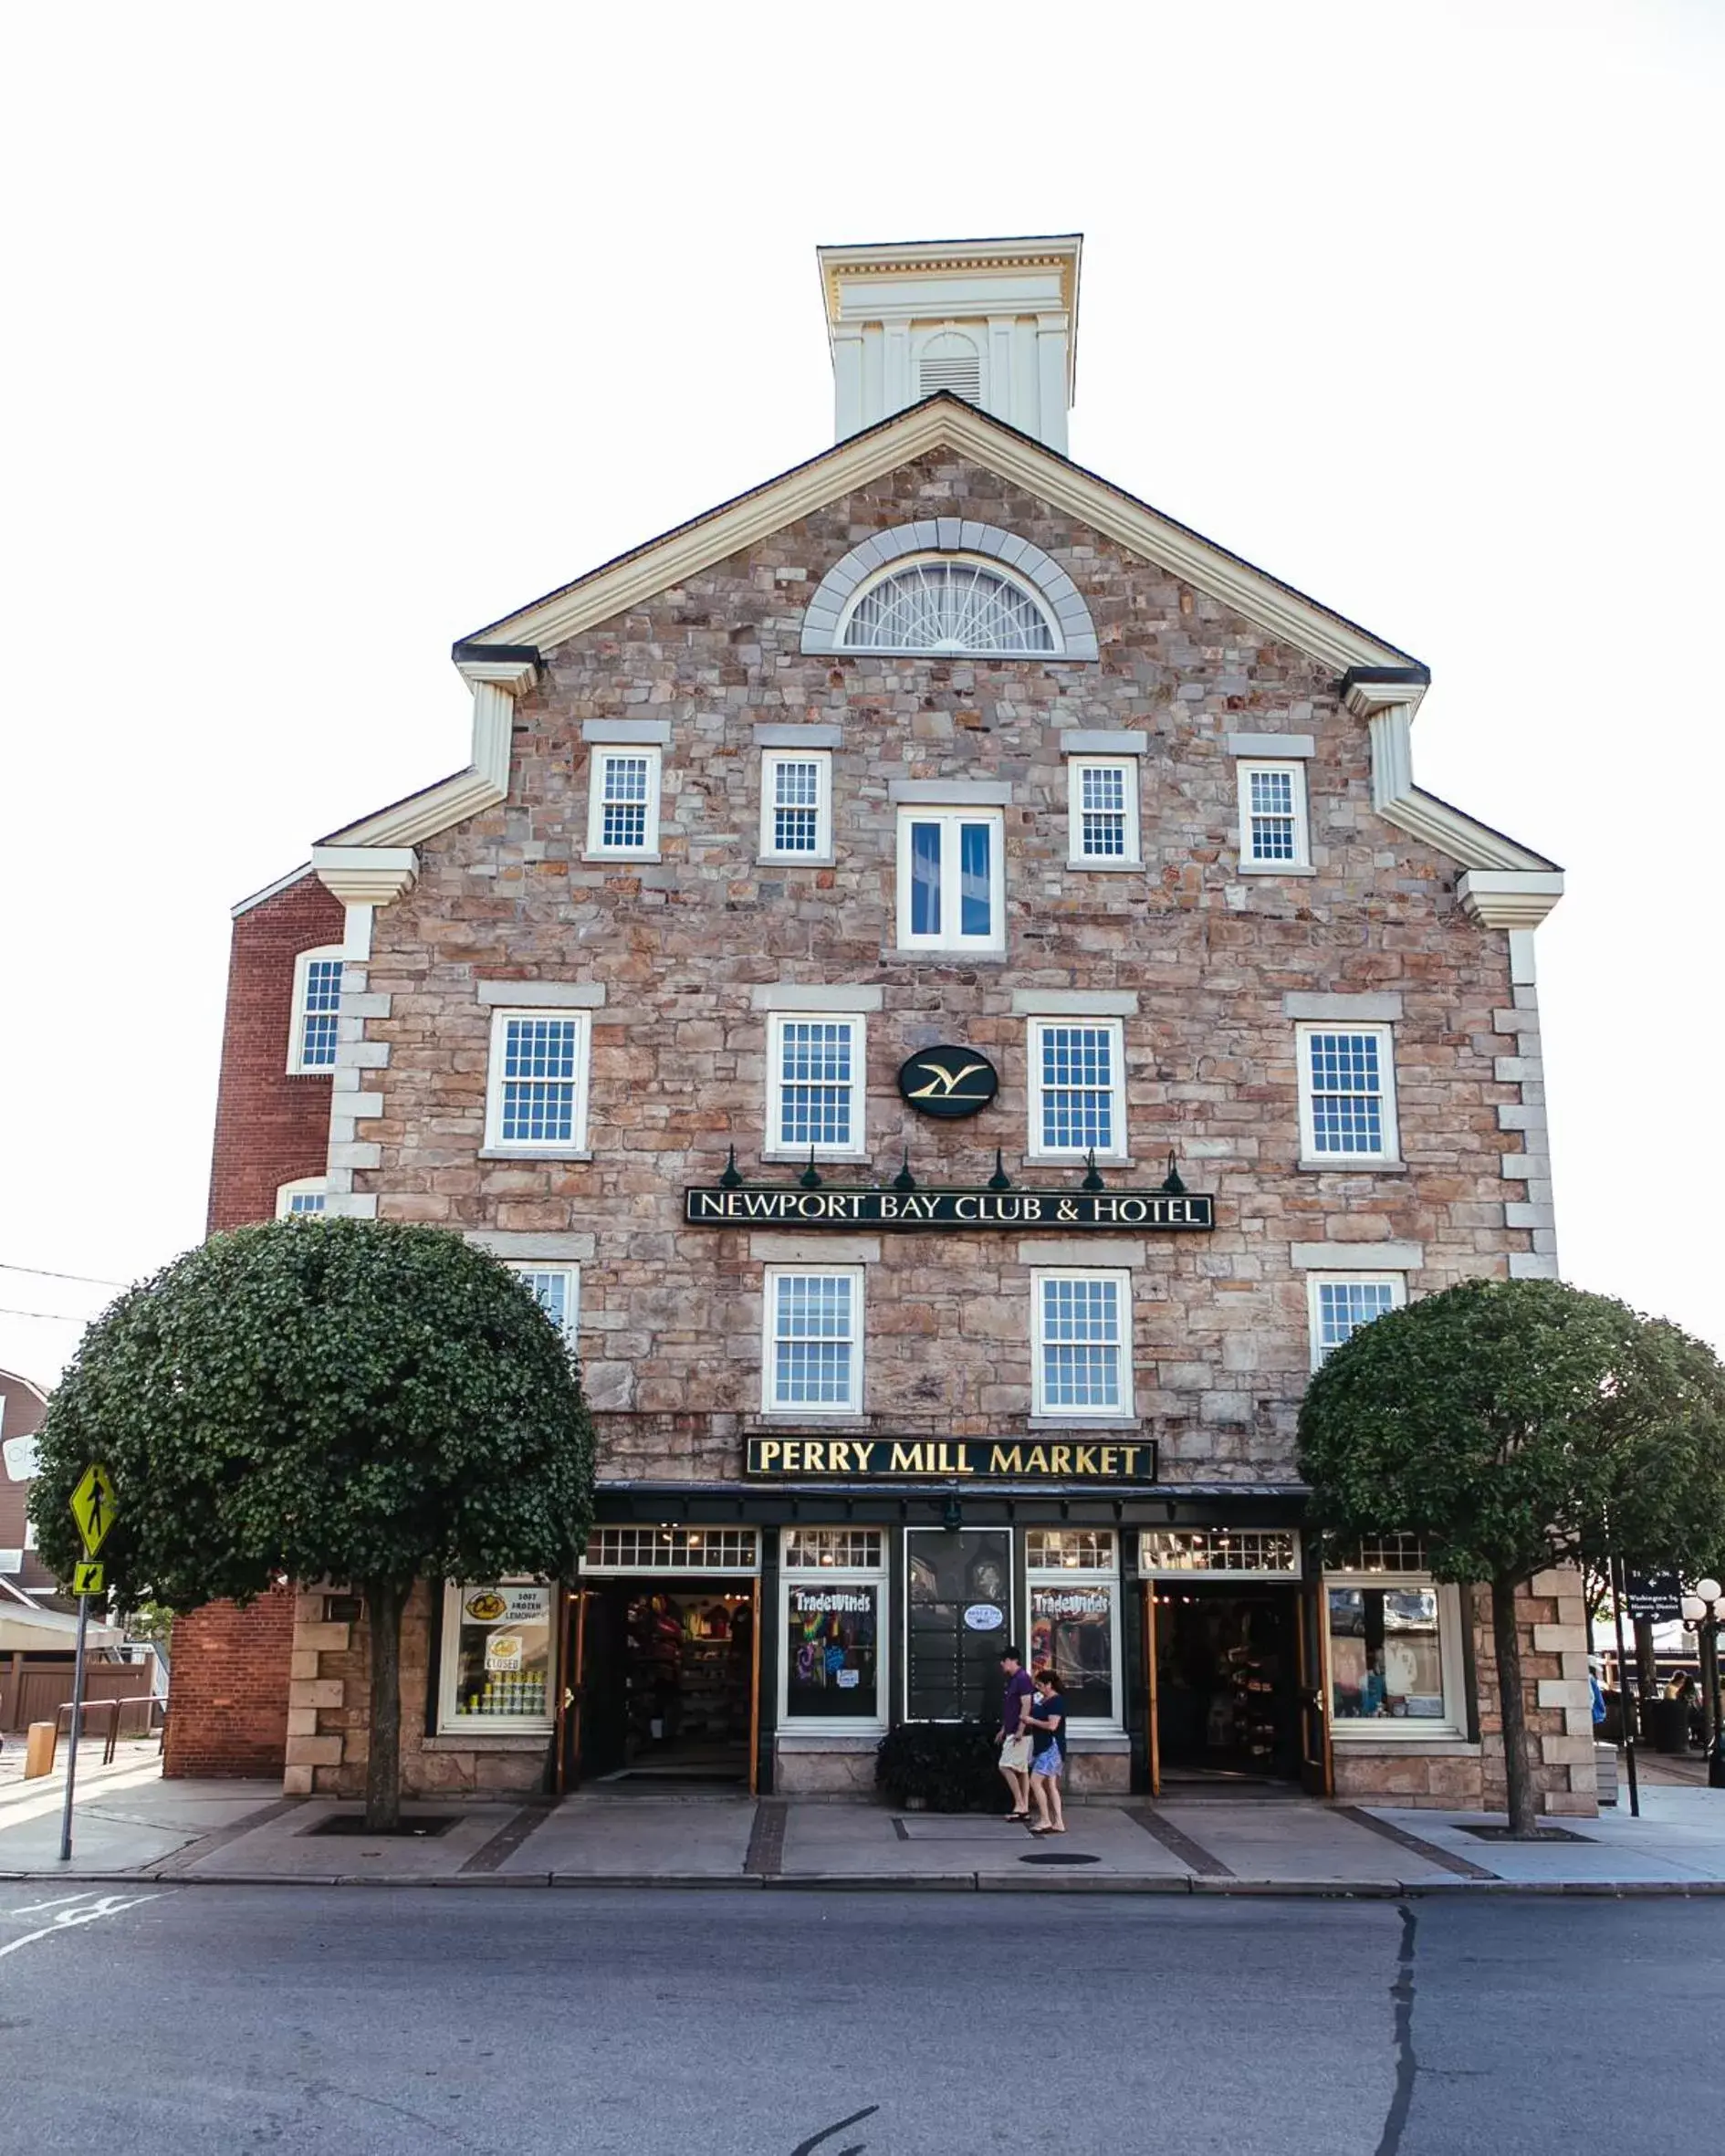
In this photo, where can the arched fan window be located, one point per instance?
(945, 603)
(950, 362)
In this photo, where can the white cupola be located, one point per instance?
(993, 320)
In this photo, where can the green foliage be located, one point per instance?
(321, 1399)
(1516, 1424)
(949, 1765)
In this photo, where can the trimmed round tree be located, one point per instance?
(1514, 1426)
(325, 1399)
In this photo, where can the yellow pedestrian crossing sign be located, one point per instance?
(94, 1507)
(89, 1579)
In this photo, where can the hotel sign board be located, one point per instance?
(1109, 1212)
(1102, 1461)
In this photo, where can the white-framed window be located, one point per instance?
(301, 1200)
(1177, 1552)
(1272, 816)
(796, 804)
(498, 1664)
(813, 1357)
(945, 603)
(1103, 803)
(1082, 1362)
(312, 1043)
(1394, 1657)
(558, 1289)
(832, 1616)
(622, 803)
(536, 1097)
(951, 879)
(1077, 1089)
(815, 1084)
(671, 1549)
(1073, 1577)
(1347, 1093)
(1341, 1302)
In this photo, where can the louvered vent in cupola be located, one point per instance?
(950, 362)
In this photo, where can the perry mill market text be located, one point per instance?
(934, 838)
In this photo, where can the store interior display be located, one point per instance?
(681, 1680)
(1226, 1681)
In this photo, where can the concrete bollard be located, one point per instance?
(39, 1749)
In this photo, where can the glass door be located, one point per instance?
(1317, 1770)
(958, 1617)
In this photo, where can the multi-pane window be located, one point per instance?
(558, 1288)
(946, 606)
(1341, 1305)
(1082, 1361)
(834, 1630)
(815, 1090)
(536, 1098)
(301, 1200)
(951, 879)
(673, 1549)
(1103, 802)
(1077, 1088)
(622, 815)
(317, 1008)
(796, 816)
(1347, 1095)
(813, 1350)
(1073, 1577)
(1272, 816)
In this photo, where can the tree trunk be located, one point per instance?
(1512, 1709)
(384, 1600)
(1646, 1661)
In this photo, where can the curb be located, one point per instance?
(955, 1882)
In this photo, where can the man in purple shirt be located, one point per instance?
(1015, 1740)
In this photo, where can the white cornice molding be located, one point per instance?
(1501, 898)
(944, 423)
(513, 675)
(366, 875)
(481, 786)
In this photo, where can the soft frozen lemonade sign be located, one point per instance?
(507, 1605)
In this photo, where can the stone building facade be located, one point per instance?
(940, 741)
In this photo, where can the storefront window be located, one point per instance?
(1075, 1617)
(497, 1660)
(832, 1626)
(958, 1614)
(1394, 1651)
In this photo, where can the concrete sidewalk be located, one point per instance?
(131, 1823)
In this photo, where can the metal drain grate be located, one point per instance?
(1057, 1857)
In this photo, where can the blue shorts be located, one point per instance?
(1047, 1763)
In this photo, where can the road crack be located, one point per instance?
(1406, 2062)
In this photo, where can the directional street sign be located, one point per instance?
(94, 1507)
(89, 1579)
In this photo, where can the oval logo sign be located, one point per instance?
(949, 1082)
(983, 1617)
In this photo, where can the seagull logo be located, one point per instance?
(943, 1084)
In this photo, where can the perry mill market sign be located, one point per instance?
(779, 1206)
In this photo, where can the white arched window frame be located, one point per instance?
(303, 1200)
(950, 605)
(1024, 567)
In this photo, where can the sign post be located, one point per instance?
(92, 1509)
(1626, 1696)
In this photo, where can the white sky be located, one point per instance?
(337, 333)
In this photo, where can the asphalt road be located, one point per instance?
(369, 2022)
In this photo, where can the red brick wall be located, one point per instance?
(22, 1408)
(270, 1128)
(228, 1698)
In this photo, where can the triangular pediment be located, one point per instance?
(941, 423)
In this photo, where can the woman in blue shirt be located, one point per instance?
(1047, 1722)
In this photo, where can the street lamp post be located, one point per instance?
(1703, 1612)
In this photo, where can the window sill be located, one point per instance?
(1344, 1165)
(1076, 1160)
(535, 1153)
(621, 860)
(1439, 1746)
(940, 955)
(1275, 868)
(797, 861)
(784, 1153)
(815, 1736)
(1078, 1425)
(783, 1422)
(491, 1738)
(1104, 868)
